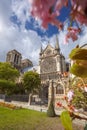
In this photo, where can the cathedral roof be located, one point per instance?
(48, 47)
(32, 68)
(14, 51)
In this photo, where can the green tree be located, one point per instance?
(7, 72)
(7, 87)
(80, 96)
(31, 81)
(8, 75)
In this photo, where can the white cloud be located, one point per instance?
(66, 48)
(27, 42)
(21, 9)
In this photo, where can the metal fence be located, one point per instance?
(9, 98)
(36, 100)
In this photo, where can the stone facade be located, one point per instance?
(52, 63)
(26, 63)
(52, 66)
(15, 59)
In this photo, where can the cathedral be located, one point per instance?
(52, 66)
(15, 59)
(52, 63)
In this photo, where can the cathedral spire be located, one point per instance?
(57, 44)
(41, 49)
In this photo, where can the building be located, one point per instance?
(26, 63)
(15, 59)
(52, 67)
(52, 63)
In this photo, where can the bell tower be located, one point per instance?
(14, 58)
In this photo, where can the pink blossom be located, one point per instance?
(81, 3)
(60, 4)
(72, 33)
(85, 88)
(79, 11)
(81, 18)
(46, 11)
(70, 95)
(49, 10)
(76, 110)
(59, 104)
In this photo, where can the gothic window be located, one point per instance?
(15, 58)
(8, 58)
(48, 65)
(48, 51)
(59, 89)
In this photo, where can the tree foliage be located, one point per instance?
(31, 81)
(8, 75)
(79, 68)
(8, 72)
(80, 96)
(7, 87)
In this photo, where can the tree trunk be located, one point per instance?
(30, 99)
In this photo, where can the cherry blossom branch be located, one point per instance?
(48, 11)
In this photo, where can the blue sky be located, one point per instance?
(18, 30)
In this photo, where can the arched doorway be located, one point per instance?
(44, 93)
(59, 89)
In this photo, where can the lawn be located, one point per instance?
(25, 119)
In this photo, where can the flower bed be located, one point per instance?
(9, 105)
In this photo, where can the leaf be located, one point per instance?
(85, 127)
(79, 70)
(78, 54)
(66, 120)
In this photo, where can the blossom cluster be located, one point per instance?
(69, 105)
(48, 11)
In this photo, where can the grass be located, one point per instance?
(25, 119)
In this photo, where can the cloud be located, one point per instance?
(66, 48)
(27, 42)
(21, 8)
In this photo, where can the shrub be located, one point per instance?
(51, 111)
(7, 87)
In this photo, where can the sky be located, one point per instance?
(18, 30)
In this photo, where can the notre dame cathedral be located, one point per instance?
(15, 59)
(51, 67)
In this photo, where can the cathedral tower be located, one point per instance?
(14, 57)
